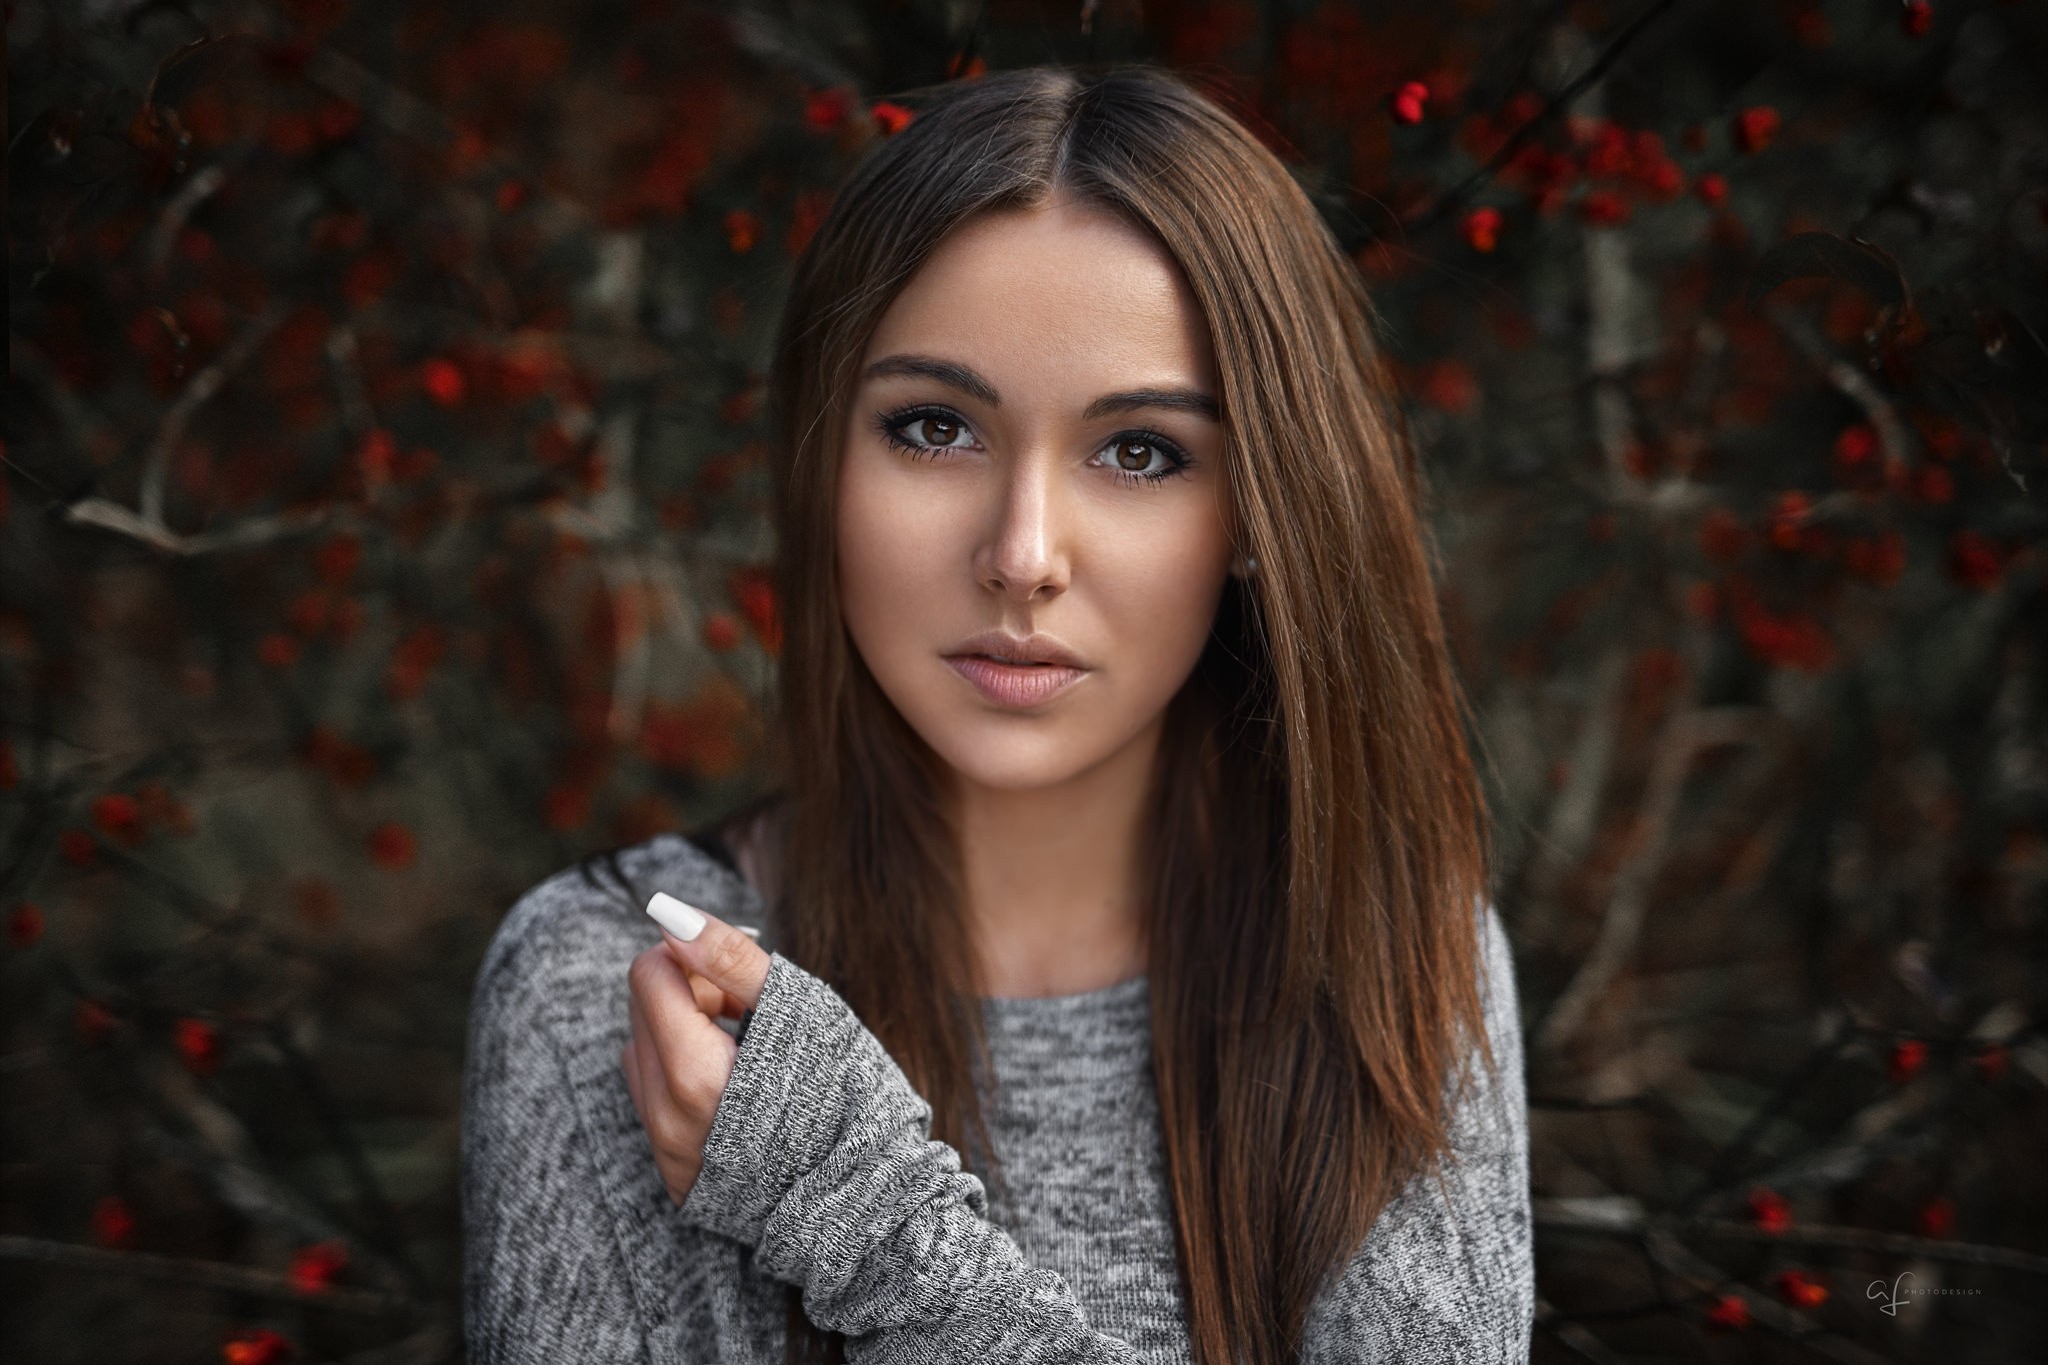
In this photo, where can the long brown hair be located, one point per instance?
(1317, 835)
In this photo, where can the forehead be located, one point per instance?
(1063, 293)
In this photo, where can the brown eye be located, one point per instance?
(1133, 454)
(940, 431)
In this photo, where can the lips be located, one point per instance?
(1003, 647)
(1015, 685)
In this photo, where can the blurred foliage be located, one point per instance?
(384, 526)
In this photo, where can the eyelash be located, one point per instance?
(891, 425)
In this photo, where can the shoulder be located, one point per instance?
(1497, 978)
(1489, 1113)
(566, 941)
(1447, 1271)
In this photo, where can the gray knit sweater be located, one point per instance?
(820, 1172)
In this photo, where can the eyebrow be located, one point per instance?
(960, 377)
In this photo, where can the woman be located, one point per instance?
(1181, 941)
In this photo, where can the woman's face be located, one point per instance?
(1033, 448)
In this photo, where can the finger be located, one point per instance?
(709, 946)
(629, 1062)
(659, 1115)
(686, 1041)
(650, 1095)
(709, 998)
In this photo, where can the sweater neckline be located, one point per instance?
(1113, 1022)
(1110, 997)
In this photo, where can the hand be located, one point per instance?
(678, 1060)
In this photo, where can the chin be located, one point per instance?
(980, 753)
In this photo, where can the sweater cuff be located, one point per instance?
(808, 1079)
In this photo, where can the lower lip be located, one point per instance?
(1015, 684)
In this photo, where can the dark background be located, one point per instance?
(383, 527)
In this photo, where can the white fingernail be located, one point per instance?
(680, 918)
(750, 933)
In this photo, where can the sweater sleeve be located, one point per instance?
(544, 1276)
(820, 1158)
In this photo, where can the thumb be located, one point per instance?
(721, 953)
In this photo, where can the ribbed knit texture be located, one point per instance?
(820, 1172)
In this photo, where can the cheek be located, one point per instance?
(1158, 597)
(887, 548)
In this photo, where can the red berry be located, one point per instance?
(119, 817)
(1730, 1313)
(1933, 483)
(1769, 1210)
(278, 650)
(1916, 18)
(25, 925)
(199, 1045)
(392, 846)
(1408, 102)
(1787, 526)
(721, 631)
(443, 381)
(742, 230)
(1604, 208)
(1975, 560)
(825, 110)
(891, 118)
(113, 1222)
(76, 847)
(1482, 229)
(1800, 1289)
(1905, 1060)
(1755, 127)
(1855, 445)
(93, 1022)
(314, 1268)
(259, 1347)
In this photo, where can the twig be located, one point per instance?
(1573, 1336)
(353, 1160)
(109, 515)
(1628, 903)
(195, 191)
(1434, 211)
(1624, 1215)
(432, 1343)
(1705, 1278)
(1852, 382)
(84, 430)
(1767, 1113)
(1868, 1239)
(196, 394)
(1575, 814)
(233, 1279)
(400, 110)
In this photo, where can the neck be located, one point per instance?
(1055, 895)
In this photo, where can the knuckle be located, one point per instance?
(728, 955)
(670, 1132)
(694, 1085)
(642, 974)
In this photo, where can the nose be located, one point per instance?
(1025, 553)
